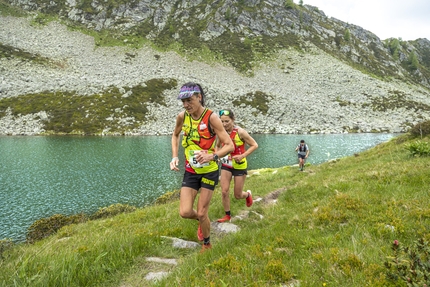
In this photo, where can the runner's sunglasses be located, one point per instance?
(224, 112)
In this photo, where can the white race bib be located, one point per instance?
(192, 158)
(227, 161)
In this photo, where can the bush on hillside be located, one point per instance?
(409, 264)
(112, 210)
(5, 244)
(420, 129)
(418, 148)
(47, 226)
(168, 197)
(289, 4)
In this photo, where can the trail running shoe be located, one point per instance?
(249, 199)
(200, 233)
(225, 218)
(206, 247)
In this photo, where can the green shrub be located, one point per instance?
(168, 197)
(112, 210)
(347, 35)
(276, 272)
(289, 4)
(6, 9)
(394, 46)
(421, 129)
(418, 148)
(410, 265)
(47, 226)
(257, 100)
(7, 51)
(5, 244)
(413, 61)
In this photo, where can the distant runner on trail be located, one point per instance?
(302, 153)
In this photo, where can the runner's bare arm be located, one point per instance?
(253, 145)
(175, 141)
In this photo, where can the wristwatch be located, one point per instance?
(216, 157)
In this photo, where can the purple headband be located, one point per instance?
(187, 92)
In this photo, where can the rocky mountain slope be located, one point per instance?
(283, 68)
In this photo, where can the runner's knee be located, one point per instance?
(186, 213)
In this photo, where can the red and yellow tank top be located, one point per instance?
(198, 137)
(239, 148)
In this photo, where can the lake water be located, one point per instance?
(43, 176)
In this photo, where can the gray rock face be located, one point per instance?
(308, 92)
(251, 18)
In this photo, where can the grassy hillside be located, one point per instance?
(341, 223)
(74, 114)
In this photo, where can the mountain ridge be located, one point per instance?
(344, 96)
(283, 24)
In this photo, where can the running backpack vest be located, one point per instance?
(198, 136)
(239, 148)
(198, 132)
(302, 149)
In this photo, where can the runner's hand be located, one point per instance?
(203, 157)
(174, 164)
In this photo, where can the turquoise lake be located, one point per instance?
(47, 175)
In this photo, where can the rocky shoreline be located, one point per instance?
(308, 92)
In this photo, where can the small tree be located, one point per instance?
(347, 35)
(413, 61)
(289, 4)
(421, 129)
(228, 14)
(394, 46)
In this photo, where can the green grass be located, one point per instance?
(76, 114)
(257, 100)
(7, 51)
(8, 10)
(333, 224)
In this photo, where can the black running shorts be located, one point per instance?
(197, 181)
(235, 172)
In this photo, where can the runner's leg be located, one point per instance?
(203, 209)
(225, 187)
(186, 203)
(239, 182)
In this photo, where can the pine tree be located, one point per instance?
(413, 61)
